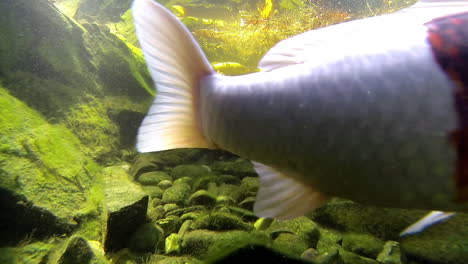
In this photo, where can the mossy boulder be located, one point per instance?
(239, 167)
(220, 221)
(362, 244)
(147, 238)
(154, 191)
(391, 254)
(301, 226)
(68, 72)
(170, 224)
(202, 197)
(177, 194)
(126, 207)
(45, 178)
(79, 250)
(205, 243)
(387, 223)
(290, 244)
(192, 171)
(33, 253)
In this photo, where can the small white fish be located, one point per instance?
(362, 110)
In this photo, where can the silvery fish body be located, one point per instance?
(367, 110)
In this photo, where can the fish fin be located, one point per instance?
(176, 63)
(432, 218)
(283, 197)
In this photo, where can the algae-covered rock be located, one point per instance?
(442, 243)
(204, 243)
(154, 192)
(63, 70)
(220, 221)
(248, 203)
(352, 258)
(232, 191)
(170, 224)
(153, 178)
(79, 250)
(165, 184)
(45, 179)
(391, 253)
(33, 253)
(169, 208)
(301, 226)
(177, 194)
(202, 197)
(239, 167)
(290, 244)
(263, 223)
(147, 238)
(245, 254)
(192, 171)
(362, 244)
(173, 244)
(126, 205)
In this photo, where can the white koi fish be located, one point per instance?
(373, 110)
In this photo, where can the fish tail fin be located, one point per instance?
(176, 63)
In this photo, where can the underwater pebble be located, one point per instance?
(224, 200)
(310, 255)
(153, 191)
(352, 258)
(156, 213)
(170, 224)
(173, 244)
(290, 244)
(181, 211)
(229, 179)
(362, 244)
(155, 202)
(191, 171)
(185, 227)
(191, 216)
(177, 194)
(232, 191)
(184, 180)
(80, 250)
(202, 197)
(153, 178)
(391, 253)
(219, 221)
(248, 203)
(331, 257)
(250, 184)
(170, 207)
(164, 184)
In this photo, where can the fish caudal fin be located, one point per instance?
(432, 218)
(176, 63)
(282, 197)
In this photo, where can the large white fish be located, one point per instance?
(373, 110)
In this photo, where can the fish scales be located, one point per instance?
(380, 128)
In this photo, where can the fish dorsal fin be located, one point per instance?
(282, 197)
(176, 63)
(328, 43)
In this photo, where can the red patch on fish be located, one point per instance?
(448, 37)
